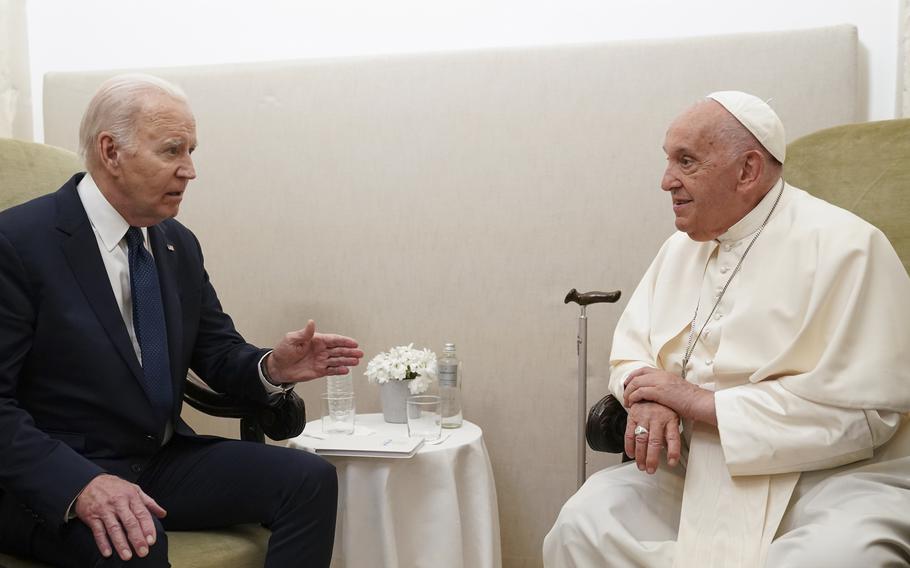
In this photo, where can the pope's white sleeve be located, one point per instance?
(618, 374)
(766, 429)
(632, 337)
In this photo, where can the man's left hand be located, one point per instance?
(304, 355)
(672, 391)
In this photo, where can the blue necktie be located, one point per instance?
(148, 322)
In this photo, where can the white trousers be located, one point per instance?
(624, 517)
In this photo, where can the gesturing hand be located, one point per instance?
(304, 355)
(662, 425)
(120, 513)
(686, 399)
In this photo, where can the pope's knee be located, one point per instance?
(842, 543)
(571, 531)
(573, 512)
(558, 542)
(573, 541)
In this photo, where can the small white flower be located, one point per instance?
(404, 363)
(419, 384)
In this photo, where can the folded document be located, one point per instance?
(370, 445)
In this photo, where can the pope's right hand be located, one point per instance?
(118, 513)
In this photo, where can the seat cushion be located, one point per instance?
(242, 546)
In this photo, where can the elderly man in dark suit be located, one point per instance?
(104, 306)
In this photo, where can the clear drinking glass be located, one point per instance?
(338, 413)
(424, 420)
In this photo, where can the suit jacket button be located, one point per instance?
(136, 468)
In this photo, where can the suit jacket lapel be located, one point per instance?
(167, 262)
(81, 250)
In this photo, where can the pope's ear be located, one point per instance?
(752, 169)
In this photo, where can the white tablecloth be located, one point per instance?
(435, 510)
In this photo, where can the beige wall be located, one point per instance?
(15, 100)
(458, 197)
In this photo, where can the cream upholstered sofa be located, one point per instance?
(458, 197)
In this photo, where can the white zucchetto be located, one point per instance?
(759, 118)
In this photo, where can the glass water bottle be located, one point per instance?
(449, 368)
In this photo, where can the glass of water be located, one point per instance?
(424, 420)
(338, 413)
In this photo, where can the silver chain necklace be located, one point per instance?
(690, 346)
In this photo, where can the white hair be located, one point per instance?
(114, 109)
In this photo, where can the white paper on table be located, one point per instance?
(363, 446)
(362, 443)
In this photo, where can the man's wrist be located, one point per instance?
(70, 512)
(264, 370)
(271, 386)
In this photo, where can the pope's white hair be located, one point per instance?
(114, 109)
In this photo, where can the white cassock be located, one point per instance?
(808, 353)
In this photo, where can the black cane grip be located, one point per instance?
(586, 298)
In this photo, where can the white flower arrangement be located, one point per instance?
(404, 363)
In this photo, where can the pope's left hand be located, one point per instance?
(672, 391)
(304, 355)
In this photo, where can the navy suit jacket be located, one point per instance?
(71, 402)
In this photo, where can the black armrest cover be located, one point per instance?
(606, 427)
(283, 418)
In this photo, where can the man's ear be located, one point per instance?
(109, 152)
(752, 169)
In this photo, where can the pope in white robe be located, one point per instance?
(791, 318)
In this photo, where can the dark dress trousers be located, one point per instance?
(72, 404)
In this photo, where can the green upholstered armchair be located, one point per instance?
(28, 170)
(863, 168)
